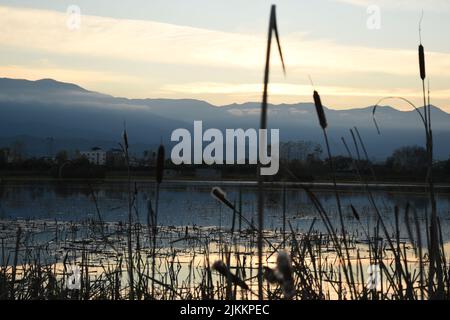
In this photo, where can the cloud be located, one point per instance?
(148, 41)
(246, 112)
(141, 43)
(290, 89)
(63, 74)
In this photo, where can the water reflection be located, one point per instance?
(191, 204)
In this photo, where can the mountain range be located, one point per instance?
(75, 118)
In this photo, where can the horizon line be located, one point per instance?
(222, 105)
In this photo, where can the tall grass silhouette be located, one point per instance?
(273, 29)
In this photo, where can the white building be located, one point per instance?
(95, 156)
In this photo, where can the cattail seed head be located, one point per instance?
(160, 164)
(355, 213)
(422, 62)
(125, 138)
(271, 275)
(319, 110)
(220, 195)
(222, 268)
(284, 266)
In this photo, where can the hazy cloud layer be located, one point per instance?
(138, 43)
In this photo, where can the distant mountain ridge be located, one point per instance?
(76, 117)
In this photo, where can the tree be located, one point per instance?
(447, 166)
(4, 153)
(408, 158)
(61, 156)
(341, 163)
(299, 150)
(17, 150)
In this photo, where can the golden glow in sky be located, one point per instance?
(147, 59)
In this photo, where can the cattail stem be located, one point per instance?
(435, 258)
(284, 215)
(218, 194)
(14, 267)
(323, 123)
(263, 125)
(130, 217)
(159, 177)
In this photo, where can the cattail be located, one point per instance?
(272, 275)
(150, 214)
(284, 265)
(220, 195)
(273, 29)
(220, 267)
(422, 62)
(160, 164)
(355, 213)
(159, 177)
(319, 110)
(407, 224)
(125, 138)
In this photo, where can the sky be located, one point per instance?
(355, 51)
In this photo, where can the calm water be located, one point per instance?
(190, 203)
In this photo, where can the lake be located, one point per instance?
(58, 227)
(190, 203)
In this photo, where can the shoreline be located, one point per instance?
(344, 185)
